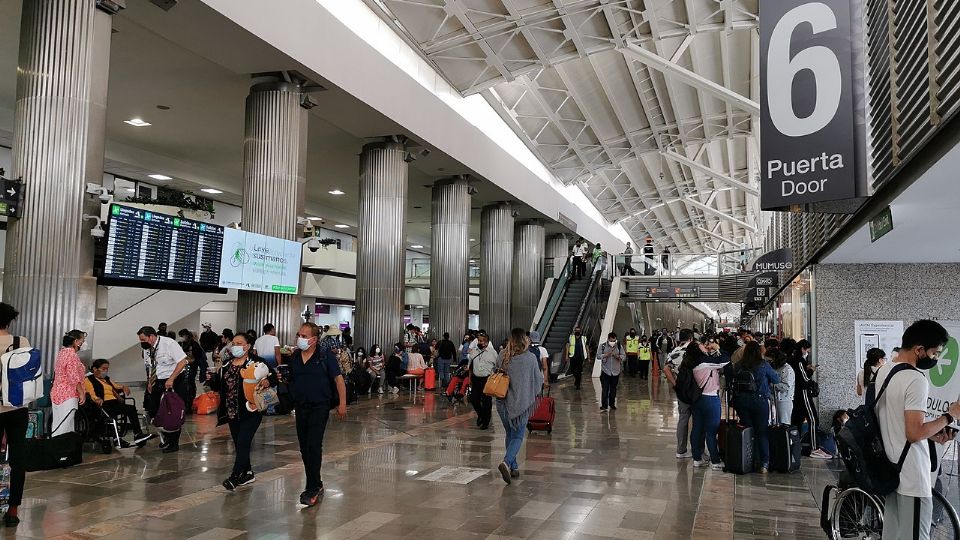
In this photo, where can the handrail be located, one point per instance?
(556, 296)
(590, 290)
(131, 306)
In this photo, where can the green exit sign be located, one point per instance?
(881, 224)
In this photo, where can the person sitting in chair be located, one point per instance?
(110, 397)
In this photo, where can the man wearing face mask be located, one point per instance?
(317, 386)
(611, 356)
(164, 361)
(901, 413)
(632, 346)
(576, 349)
(483, 360)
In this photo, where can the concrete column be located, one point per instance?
(557, 249)
(496, 263)
(274, 176)
(449, 257)
(528, 249)
(381, 240)
(58, 141)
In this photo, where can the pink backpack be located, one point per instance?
(170, 414)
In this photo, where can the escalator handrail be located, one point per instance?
(557, 293)
(587, 297)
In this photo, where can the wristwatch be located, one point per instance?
(949, 417)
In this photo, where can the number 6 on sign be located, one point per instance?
(820, 60)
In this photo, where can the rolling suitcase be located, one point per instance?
(739, 449)
(430, 379)
(784, 448)
(544, 415)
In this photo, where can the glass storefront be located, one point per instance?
(794, 309)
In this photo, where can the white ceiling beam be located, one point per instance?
(684, 45)
(655, 61)
(716, 175)
(721, 214)
(723, 239)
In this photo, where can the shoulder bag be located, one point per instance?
(498, 382)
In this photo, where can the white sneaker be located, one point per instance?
(820, 454)
(380, 390)
(716, 466)
(685, 455)
(699, 463)
(394, 390)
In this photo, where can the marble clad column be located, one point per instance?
(274, 178)
(382, 244)
(528, 248)
(449, 257)
(496, 263)
(58, 142)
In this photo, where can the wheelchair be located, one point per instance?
(102, 429)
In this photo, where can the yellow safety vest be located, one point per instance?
(645, 353)
(633, 344)
(573, 346)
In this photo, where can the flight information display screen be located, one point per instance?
(145, 248)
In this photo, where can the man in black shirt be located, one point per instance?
(209, 340)
(446, 352)
(315, 379)
(196, 363)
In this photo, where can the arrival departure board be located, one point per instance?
(167, 251)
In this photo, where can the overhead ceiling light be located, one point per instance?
(417, 246)
(137, 122)
(131, 190)
(473, 239)
(335, 192)
(211, 191)
(160, 177)
(341, 226)
(315, 218)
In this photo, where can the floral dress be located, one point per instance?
(68, 373)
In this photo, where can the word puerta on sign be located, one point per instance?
(808, 141)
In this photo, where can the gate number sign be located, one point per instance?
(806, 117)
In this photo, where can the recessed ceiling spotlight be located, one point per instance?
(335, 192)
(211, 191)
(137, 122)
(131, 190)
(473, 239)
(416, 246)
(341, 226)
(159, 177)
(315, 218)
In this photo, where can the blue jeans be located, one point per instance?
(514, 438)
(443, 371)
(754, 412)
(706, 420)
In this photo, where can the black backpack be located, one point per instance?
(744, 381)
(688, 391)
(861, 445)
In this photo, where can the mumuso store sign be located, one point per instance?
(809, 131)
(773, 261)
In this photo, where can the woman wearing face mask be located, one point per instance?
(233, 409)
(102, 391)
(68, 376)
(875, 360)
(375, 365)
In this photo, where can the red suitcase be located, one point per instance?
(430, 379)
(544, 415)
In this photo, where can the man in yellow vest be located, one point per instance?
(645, 354)
(632, 345)
(577, 352)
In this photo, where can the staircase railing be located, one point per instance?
(556, 296)
(587, 316)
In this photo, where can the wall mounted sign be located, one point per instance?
(881, 224)
(10, 198)
(807, 121)
(673, 292)
(774, 261)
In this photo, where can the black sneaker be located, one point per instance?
(230, 483)
(10, 521)
(614, 407)
(123, 445)
(245, 478)
(311, 498)
(515, 473)
(504, 472)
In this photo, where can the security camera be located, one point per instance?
(313, 244)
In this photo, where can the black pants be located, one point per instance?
(608, 389)
(805, 410)
(311, 425)
(483, 404)
(632, 366)
(644, 368)
(628, 267)
(576, 369)
(242, 430)
(13, 424)
(394, 371)
(115, 407)
(152, 404)
(579, 267)
(190, 374)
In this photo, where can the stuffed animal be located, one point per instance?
(252, 374)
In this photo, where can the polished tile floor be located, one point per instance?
(405, 468)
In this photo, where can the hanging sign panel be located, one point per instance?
(944, 377)
(807, 143)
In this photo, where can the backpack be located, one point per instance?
(860, 443)
(21, 375)
(170, 413)
(743, 382)
(688, 391)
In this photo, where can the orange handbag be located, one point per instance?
(206, 403)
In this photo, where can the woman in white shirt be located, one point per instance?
(876, 358)
(785, 390)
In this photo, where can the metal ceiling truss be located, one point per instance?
(659, 134)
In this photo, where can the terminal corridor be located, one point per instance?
(403, 469)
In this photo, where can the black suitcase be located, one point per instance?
(739, 449)
(784, 448)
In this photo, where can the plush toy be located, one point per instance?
(252, 374)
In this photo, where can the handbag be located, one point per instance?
(265, 398)
(58, 452)
(498, 382)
